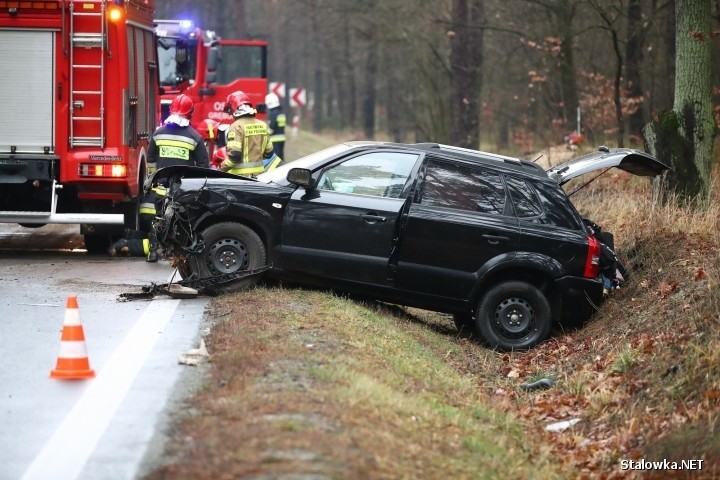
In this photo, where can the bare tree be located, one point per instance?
(610, 16)
(636, 32)
(466, 61)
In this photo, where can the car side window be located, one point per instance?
(455, 186)
(524, 198)
(380, 174)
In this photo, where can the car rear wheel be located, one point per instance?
(514, 315)
(229, 248)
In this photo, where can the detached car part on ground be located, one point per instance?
(491, 239)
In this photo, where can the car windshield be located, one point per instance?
(309, 161)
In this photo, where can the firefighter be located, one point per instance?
(214, 134)
(134, 243)
(276, 123)
(249, 149)
(174, 143)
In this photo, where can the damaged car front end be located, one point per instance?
(197, 226)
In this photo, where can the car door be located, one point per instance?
(461, 218)
(344, 228)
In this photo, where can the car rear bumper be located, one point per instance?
(578, 298)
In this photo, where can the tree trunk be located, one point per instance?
(683, 138)
(634, 57)
(370, 97)
(466, 59)
(349, 91)
(564, 13)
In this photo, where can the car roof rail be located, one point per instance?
(427, 145)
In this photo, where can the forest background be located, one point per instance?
(509, 75)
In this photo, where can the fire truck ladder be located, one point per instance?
(92, 37)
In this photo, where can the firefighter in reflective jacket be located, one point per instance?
(174, 143)
(276, 123)
(249, 149)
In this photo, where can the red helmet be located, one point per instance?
(208, 128)
(235, 100)
(219, 156)
(182, 105)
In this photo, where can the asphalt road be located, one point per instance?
(108, 427)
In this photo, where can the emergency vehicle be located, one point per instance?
(207, 68)
(79, 96)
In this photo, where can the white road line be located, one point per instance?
(65, 454)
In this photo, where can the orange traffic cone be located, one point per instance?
(72, 363)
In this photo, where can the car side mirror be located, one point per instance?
(301, 177)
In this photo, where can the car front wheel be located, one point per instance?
(514, 315)
(229, 248)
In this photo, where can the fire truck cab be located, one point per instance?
(208, 68)
(78, 95)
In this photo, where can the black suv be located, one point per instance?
(492, 239)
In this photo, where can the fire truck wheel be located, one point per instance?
(229, 248)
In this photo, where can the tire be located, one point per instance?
(464, 323)
(229, 247)
(514, 315)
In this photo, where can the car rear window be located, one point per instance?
(557, 207)
(524, 199)
(455, 186)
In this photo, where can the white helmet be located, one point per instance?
(272, 101)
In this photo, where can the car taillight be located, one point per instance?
(592, 262)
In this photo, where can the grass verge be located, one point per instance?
(320, 386)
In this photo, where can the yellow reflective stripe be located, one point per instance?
(234, 145)
(174, 143)
(165, 137)
(146, 246)
(277, 138)
(147, 210)
(245, 155)
(231, 164)
(274, 164)
(281, 120)
(162, 191)
(246, 171)
(242, 168)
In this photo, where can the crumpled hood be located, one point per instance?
(163, 175)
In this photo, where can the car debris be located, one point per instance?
(189, 288)
(194, 356)
(541, 384)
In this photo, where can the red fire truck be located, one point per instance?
(79, 96)
(208, 68)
